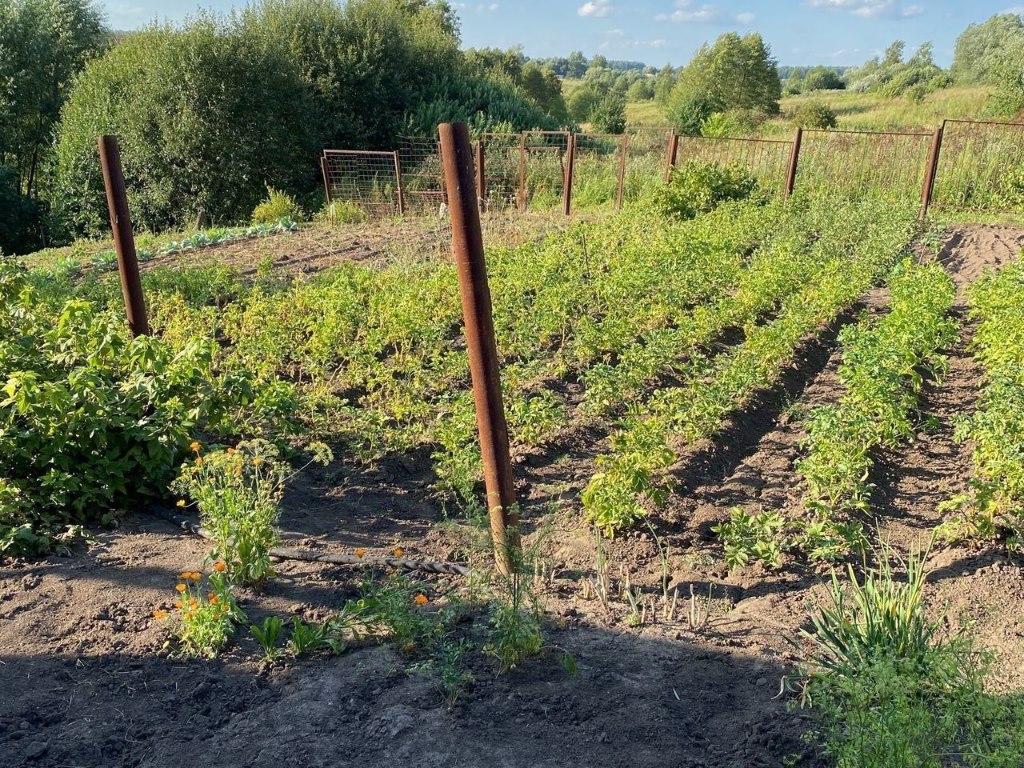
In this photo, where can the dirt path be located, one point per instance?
(85, 682)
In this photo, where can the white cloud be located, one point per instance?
(687, 12)
(596, 8)
(746, 18)
(871, 9)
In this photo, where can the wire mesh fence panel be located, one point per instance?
(646, 158)
(502, 165)
(367, 180)
(596, 170)
(545, 164)
(981, 167)
(859, 163)
(422, 175)
(765, 159)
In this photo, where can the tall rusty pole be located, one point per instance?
(468, 246)
(928, 189)
(794, 161)
(620, 186)
(522, 172)
(124, 237)
(570, 170)
(673, 152)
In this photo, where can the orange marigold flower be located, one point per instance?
(160, 615)
(181, 587)
(224, 608)
(231, 451)
(214, 599)
(398, 552)
(196, 576)
(256, 461)
(193, 603)
(177, 604)
(199, 461)
(421, 599)
(195, 446)
(181, 502)
(409, 647)
(360, 552)
(220, 566)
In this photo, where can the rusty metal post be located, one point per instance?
(569, 172)
(621, 187)
(398, 181)
(794, 161)
(928, 189)
(124, 237)
(481, 176)
(468, 247)
(327, 183)
(522, 171)
(673, 152)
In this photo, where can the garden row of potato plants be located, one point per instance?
(858, 247)
(994, 506)
(884, 365)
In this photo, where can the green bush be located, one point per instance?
(92, 421)
(688, 115)
(697, 187)
(19, 216)
(275, 207)
(815, 114)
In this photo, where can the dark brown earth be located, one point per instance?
(86, 681)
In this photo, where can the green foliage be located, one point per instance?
(890, 693)
(205, 619)
(609, 114)
(1008, 74)
(735, 73)
(207, 115)
(43, 45)
(821, 79)
(892, 76)
(92, 421)
(267, 635)
(994, 506)
(277, 206)
(689, 113)
(747, 538)
(815, 114)
(697, 187)
(238, 491)
(982, 49)
(641, 90)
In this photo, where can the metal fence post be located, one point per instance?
(398, 181)
(124, 237)
(620, 189)
(481, 175)
(794, 161)
(928, 189)
(468, 247)
(569, 172)
(522, 172)
(673, 152)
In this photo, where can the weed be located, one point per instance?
(268, 635)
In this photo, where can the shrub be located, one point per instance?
(815, 114)
(92, 421)
(277, 206)
(609, 114)
(688, 115)
(697, 187)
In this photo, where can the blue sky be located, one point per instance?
(660, 31)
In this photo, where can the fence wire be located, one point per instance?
(646, 161)
(766, 159)
(502, 182)
(545, 161)
(368, 180)
(981, 167)
(422, 175)
(597, 168)
(859, 163)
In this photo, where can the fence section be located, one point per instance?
(422, 175)
(858, 163)
(766, 159)
(981, 167)
(599, 170)
(369, 180)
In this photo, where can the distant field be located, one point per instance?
(858, 111)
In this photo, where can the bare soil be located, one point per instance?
(86, 681)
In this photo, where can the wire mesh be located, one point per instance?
(766, 159)
(422, 175)
(501, 171)
(368, 180)
(860, 163)
(599, 159)
(981, 167)
(545, 162)
(646, 158)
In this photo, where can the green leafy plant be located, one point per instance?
(205, 617)
(267, 635)
(276, 207)
(697, 187)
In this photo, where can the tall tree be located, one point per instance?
(734, 73)
(982, 49)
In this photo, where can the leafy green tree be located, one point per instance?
(543, 86)
(664, 83)
(689, 113)
(734, 73)
(641, 90)
(487, 62)
(982, 49)
(576, 65)
(609, 113)
(822, 79)
(582, 103)
(43, 45)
